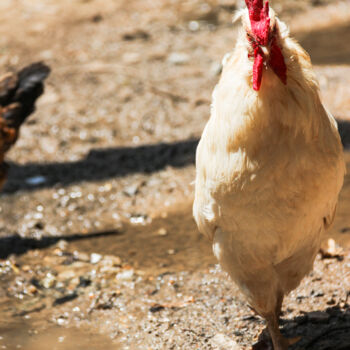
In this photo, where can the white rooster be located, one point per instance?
(269, 166)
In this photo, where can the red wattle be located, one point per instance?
(260, 27)
(257, 68)
(276, 62)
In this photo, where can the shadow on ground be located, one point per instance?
(344, 131)
(19, 245)
(109, 163)
(326, 330)
(328, 45)
(103, 164)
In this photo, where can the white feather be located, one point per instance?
(269, 171)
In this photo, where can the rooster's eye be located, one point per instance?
(250, 37)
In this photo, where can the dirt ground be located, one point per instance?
(98, 248)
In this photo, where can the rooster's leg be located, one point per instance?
(271, 338)
(279, 302)
(278, 340)
(272, 334)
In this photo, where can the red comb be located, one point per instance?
(260, 25)
(259, 20)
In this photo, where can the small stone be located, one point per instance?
(216, 68)
(49, 281)
(131, 190)
(223, 342)
(95, 258)
(318, 317)
(162, 232)
(171, 251)
(57, 252)
(193, 26)
(32, 289)
(66, 275)
(35, 180)
(178, 58)
(62, 244)
(61, 321)
(81, 256)
(138, 219)
(111, 260)
(61, 339)
(26, 268)
(126, 275)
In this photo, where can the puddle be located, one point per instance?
(170, 243)
(25, 336)
(34, 333)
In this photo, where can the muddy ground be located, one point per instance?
(98, 247)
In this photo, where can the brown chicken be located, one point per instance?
(269, 166)
(18, 94)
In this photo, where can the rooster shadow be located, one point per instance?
(18, 245)
(103, 164)
(328, 330)
(326, 45)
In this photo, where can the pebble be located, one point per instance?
(178, 58)
(223, 342)
(26, 268)
(193, 26)
(35, 180)
(138, 219)
(215, 68)
(67, 274)
(61, 339)
(95, 258)
(162, 232)
(61, 321)
(111, 260)
(32, 289)
(126, 275)
(49, 281)
(62, 244)
(131, 190)
(82, 257)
